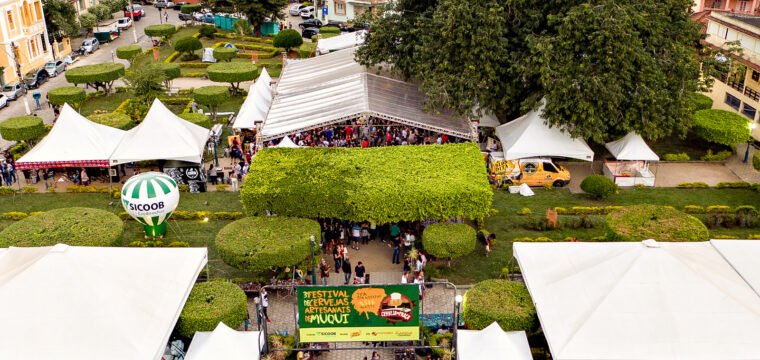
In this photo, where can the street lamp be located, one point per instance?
(457, 304)
(18, 71)
(313, 266)
(752, 127)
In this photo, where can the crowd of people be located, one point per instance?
(7, 170)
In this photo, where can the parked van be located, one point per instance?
(532, 171)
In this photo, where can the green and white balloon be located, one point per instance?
(150, 198)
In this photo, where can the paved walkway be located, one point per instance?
(744, 171)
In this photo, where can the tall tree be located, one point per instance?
(61, 19)
(257, 11)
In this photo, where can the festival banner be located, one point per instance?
(358, 313)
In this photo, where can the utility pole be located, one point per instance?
(132, 15)
(14, 53)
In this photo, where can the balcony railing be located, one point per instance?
(752, 94)
(736, 84)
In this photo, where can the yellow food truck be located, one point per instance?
(531, 171)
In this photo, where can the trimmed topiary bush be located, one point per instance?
(662, 223)
(262, 244)
(599, 186)
(721, 127)
(232, 73)
(444, 240)
(76, 226)
(103, 74)
(506, 302)
(128, 52)
(702, 102)
(288, 39)
(211, 96)
(207, 31)
(163, 30)
(22, 128)
(190, 8)
(114, 120)
(211, 303)
(225, 54)
(188, 45)
(71, 95)
(171, 71)
(756, 160)
(197, 119)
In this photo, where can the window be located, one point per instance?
(25, 14)
(38, 10)
(743, 5)
(749, 111)
(11, 24)
(340, 8)
(42, 41)
(549, 167)
(733, 101)
(529, 168)
(716, 4)
(755, 75)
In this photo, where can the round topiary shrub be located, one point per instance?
(721, 127)
(188, 45)
(209, 304)
(702, 102)
(448, 241)
(76, 226)
(98, 75)
(211, 96)
(190, 8)
(288, 39)
(128, 52)
(225, 54)
(171, 71)
(71, 95)
(233, 73)
(599, 186)
(263, 244)
(160, 30)
(22, 128)
(197, 119)
(506, 302)
(207, 31)
(641, 222)
(114, 120)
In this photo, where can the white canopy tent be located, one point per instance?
(633, 167)
(256, 104)
(225, 343)
(66, 302)
(74, 141)
(530, 136)
(162, 135)
(287, 143)
(492, 343)
(340, 42)
(645, 300)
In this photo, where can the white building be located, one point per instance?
(347, 10)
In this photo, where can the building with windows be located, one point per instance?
(347, 10)
(739, 89)
(732, 6)
(23, 31)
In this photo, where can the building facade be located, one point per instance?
(348, 10)
(22, 23)
(739, 89)
(732, 6)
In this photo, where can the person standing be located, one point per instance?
(396, 243)
(324, 271)
(375, 355)
(85, 178)
(265, 303)
(356, 231)
(489, 243)
(359, 272)
(346, 270)
(405, 277)
(337, 258)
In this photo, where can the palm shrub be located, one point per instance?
(242, 27)
(22, 128)
(188, 45)
(505, 302)
(76, 226)
(448, 241)
(599, 186)
(71, 95)
(662, 223)
(288, 39)
(211, 96)
(232, 73)
(721, 127)
(209, 304)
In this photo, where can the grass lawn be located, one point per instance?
(106, 103)
(692, 145)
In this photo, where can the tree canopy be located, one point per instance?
(256, 11)
(61, 19)
(605, 68)
(288, 39)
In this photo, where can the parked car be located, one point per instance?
(186, 17)
(311, 23)
(295, 10)
(163, 4)
(13, 91)
(207, 18)
(90, 45)
(136, 11)
(55, 67)
(3, 101)
(178, 5)
(309, 32)
(124, 23)
(307, 12)
(34, 79)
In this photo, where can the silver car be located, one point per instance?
(54, 68)
(90, 45)
(13, 91)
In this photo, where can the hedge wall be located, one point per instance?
(503, 301)
(210, 303)
(260, 244)
(68, 94)
(113, 119)
(444, 240)
(383, 184)
(22, 128)
(662, 223)
(721, 127)
(197, 119)
(76, 226)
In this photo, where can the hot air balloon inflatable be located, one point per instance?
(150, 198)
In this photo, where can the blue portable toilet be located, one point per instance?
(270, 28)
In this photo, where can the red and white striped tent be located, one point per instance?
(74, 141)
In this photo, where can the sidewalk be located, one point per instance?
(744, 171)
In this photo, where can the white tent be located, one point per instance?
(287, 143)
(162, 135)
(631, 147)
(530, 136)
(66, 302)
(340, 42)
(489, 120)
(492, 343)
(256, 104)
(645, 300)
(226, 343)
(74, 141)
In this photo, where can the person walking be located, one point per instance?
(346, 270)
(355, 235)
(324, 271)
(265, 303)
(489, 243)
(396, 243)
(359, 272)
(337, 258)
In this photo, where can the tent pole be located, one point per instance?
(110, 182)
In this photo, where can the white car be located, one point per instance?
(295, 10)
(3, 101)
(307, 12)
(124, 23)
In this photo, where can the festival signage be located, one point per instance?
(150, 198)
(358, 313)
(192, 176)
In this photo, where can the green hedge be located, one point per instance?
(197, 119)
(506, 302)
(599, 186)
(160, 30)
(756, 160)
(261, 244)
(232, 72)
(87, 74)
(702, 102)
(128, 52)
(288, 39)
(76, 226)
(188, 44)
(113, 119)
(444, 240)
(211, 95)
(71, 95)
(224, 53)
(329, 30)
(22, 128)
(209, 304)
(721, 127)
(383, 184)
(662, 223)
(171, 71)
